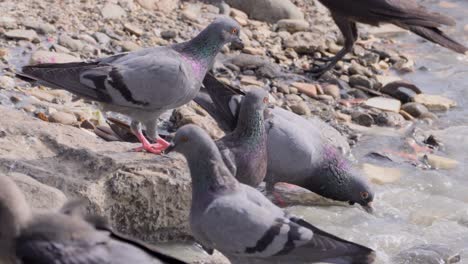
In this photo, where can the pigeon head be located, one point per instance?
(192, 141)
(256, 99)
(337, 179)
(225, 29)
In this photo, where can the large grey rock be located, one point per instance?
(268, 10)
(143, 195)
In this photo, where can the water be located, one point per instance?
(425, 206)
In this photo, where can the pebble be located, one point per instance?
(133, 29)
(434, 102)
(383, 103)
(40, 26)
(128, 45)
(332, 90)
(102, 38)
(112, 11)
(381, 175)
(308, 89)
(360, 80)
(363, 119)
(414, 109)
(71, 43)
(7, 82)
(43, 56)
(62, 118)
(22, 34)
(191, 13)
(293, 25)
(249, 80)
(438, 162)
(254, 51)
(301, 108)
(168, 34)
(389, 119)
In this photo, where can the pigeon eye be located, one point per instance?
(364, 195)
(234, 31)
(265, 100)
(184, 139)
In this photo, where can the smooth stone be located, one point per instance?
(253, 51)
(389, 119)
(128, 45)
(308, 89)
(43, 56)
(438, 162)
(362, 119)
(414, 109)
(168, 34)
(381, 175)
(268, 10)
(112, 11)
(7, 82)
(383, 103)
(360, 80)
(40, 26)
(63, 118)
(71, 43)
(133, 29)
(332, 90)
(301, 108)
(22, 34)
(249, 80)
(434, 102)
(293, 25)
(102, 38)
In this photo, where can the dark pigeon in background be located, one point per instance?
(244, 150)
(242, 223)
(64, 237)
(406, 14)
(297, 152)
(145, 83)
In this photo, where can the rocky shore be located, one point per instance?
(50, 140)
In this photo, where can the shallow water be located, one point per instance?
(424, 206)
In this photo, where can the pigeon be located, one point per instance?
(297, 151)
(244, 150)
(145, 83)
(240, 222)
(407, 14)
(64, 237)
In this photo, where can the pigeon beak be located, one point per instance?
(170, 148)
(237, 44)
(368, 208)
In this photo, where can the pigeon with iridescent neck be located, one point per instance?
(244, 150)
(244, 225)
(145, 83)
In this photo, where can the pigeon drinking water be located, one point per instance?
(64, 237)
(297, 151)
(145, 83)
(244, 225)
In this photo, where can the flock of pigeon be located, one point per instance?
(262, 143)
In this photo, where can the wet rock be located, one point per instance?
(133, 29)
(168, 34)
(360, 80)
(383, 103)
(7, 22)
(268, 10)
(389, 119)
(293, 25)
(22, 34)
(300, 108)
(112, 11)
(381, 175)
(401, 90)
(63, 118)
(308, 89)
(438, 162)
(363, 119)
(43, 56)
(38, 195)
(415, 109)
(7, 82)
(434, 102)
(71, 43)
(162, 5)
(40, 26)
(427, 254)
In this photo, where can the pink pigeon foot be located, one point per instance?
(156, 148)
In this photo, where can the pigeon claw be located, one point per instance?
(156, 148)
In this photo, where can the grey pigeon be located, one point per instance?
(244, 225)
(407, 14)
(244, 150)
(145, 83)
(297, 151)
(55, 237)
